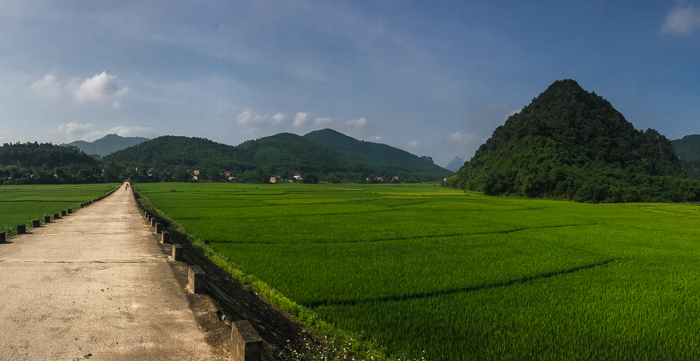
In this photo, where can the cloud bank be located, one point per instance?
(682, 20)
(461, 139)
(101, 88)
(88, 131)
(248, 117)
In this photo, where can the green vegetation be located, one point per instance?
(45, 163)
(574, 145)
(283, 155)
(378, 155)
(433, 272)
(22, 204)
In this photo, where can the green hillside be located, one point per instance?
(46, 163)
(285, 153)
(572, 144)
(378, 155)
(172, 150)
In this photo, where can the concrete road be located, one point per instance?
(94, 285)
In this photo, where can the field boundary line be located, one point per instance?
(414, 237)
(516, 281)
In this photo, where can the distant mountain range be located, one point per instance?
(325, 152)
(455, 164)
(108, 144)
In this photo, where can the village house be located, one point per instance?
(297, 176)
(197, 175)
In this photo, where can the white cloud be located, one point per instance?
(75, 130)
(47, 86)
(682, 20)
(357, 123)
(460, 138)
(102, 87)
(375, 138)
(249, 117)
(87, 132)
(413, 144)
(324, 121)
(131, 131)
(278, 118)
(301, 119)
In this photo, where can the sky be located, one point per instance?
(434, 78)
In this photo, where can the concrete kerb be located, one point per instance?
(177, 252)
(246, 343)
(195, 280)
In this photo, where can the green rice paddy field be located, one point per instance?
(438, 273)
(22, 204)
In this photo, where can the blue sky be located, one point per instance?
(432, 77)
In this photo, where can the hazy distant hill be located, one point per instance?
(455, 164)
(110, 143)
(378, 155)
(573, 144)
(688, 149)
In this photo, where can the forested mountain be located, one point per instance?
(688, 149)
(573, 144)
(178, 150)
(455, 164)
(285, 153)
(108, 144)
(378, 155)
(23, 163)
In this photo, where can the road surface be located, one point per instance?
(94, 285)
